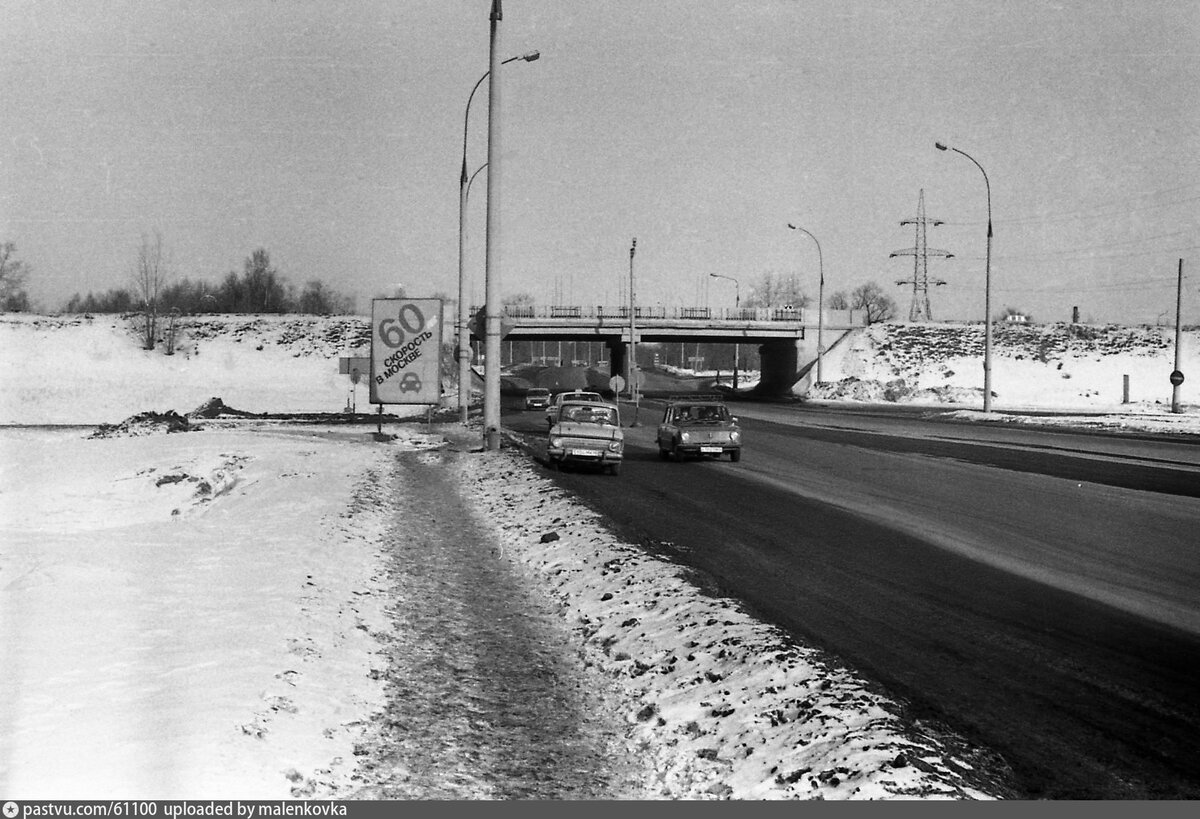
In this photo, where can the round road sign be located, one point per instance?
(616, 383)
(1176, 378)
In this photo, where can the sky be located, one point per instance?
(332, 136)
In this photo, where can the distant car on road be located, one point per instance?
(586, 432)
(572, 395)
(699, 428)
(537, 398)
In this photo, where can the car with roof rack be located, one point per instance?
(699, 427)
(586, 433)
(570, 395)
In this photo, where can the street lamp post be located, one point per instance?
(737, 302)
(634, 393)
(820, 299)
(464, 374)
(987, 284)
(463, 351)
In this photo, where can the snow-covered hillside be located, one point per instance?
(91, 370)
(1074, 366)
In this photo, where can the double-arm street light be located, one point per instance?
(820, 299)
(737, 301)
(987, 284)
(463, 350)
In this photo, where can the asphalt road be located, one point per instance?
(1037, 592)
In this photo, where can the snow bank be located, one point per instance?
(724, 706)
(1062, 366)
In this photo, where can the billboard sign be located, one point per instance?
(406, 351)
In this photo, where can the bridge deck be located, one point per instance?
(747, 325)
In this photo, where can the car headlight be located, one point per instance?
(685, 436)
(735, 436)
(556, 443)
(614, 446)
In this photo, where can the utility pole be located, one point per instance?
(1177, 374)
(633, 368)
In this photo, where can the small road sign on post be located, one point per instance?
(1176, 378)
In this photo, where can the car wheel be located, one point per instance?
(614, 469)
(676, 455)
(735, 455)
(662, 453)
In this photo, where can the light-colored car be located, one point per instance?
(700, 428)
(573, 395)
(537, 398)
(586, 432)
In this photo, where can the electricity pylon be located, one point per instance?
(920, 251)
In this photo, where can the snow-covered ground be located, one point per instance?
(1079, 370)
(218, 613)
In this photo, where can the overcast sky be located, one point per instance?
(331, 135)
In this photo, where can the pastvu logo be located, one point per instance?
(11, 810)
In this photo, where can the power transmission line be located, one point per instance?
(1075, 256)
(1099, 211)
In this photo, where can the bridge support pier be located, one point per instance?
(618, 354)
(779, 367)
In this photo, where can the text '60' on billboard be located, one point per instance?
(406, 351)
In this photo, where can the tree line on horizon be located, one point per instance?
(259, 288)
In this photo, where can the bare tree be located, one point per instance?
(776, 290)
(517, 304)
(13, 274)
(264, 289)
(150, 275)
(838, 301)
(870, 297)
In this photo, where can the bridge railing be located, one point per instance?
(603, 311)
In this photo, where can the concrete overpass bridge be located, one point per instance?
(786, 338)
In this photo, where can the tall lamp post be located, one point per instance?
(737, 302)
(463, 351)
(634, 393)
(464, 362)
(820, 299)
(987, 284)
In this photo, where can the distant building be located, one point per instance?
(1016, 318)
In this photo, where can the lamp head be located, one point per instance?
(793, 227)
(531, 56)
(941, 146)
